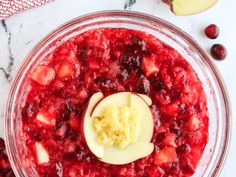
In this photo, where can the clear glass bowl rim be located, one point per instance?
(128, 14)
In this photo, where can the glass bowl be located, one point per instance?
(217, 99)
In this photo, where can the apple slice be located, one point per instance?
(165, 156)
(147, 124)
(41, 154)
(65, 70)
(193, 123)
(88, 131)
(170, 140)
(189, 7)
(149, 66)
(133, 152)
(146, 98)
(43, 75)
(45, 118)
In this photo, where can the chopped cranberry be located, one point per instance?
(188, 169)
(174, 128)
(160, 137)
(130, 60)
(183, 149)
(103, 82)
(123, 75)
(218, 52)
(2, 145)
(174, 169)
(143, 86)
(70, 106)
(60, 132)
(212, 31)
(36, 135)
(157, 83)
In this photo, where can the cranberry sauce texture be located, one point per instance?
(109, 61)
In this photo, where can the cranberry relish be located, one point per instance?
(111, 61)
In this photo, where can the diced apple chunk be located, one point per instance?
(65, 70)
(193, 123)
(149, 66)
(165, 156)
(170, 140)
(45, 118)
(94, 65)
(130, 154)
(171, 109)
(43, 75)
(41, 154)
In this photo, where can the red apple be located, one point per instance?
(189, 7)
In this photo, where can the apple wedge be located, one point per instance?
(96, 108)
(190, 7)
(147, 124)
(87, 126)
(133, 152)
(41, 154)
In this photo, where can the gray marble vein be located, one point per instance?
(8, 70)
(129, 4)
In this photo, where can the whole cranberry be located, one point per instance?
(10, 173)
(2, 145)
(212, 31)
(218, 52)
(4, 162)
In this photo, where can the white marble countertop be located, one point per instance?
(19, 33)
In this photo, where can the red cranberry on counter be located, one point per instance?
(218, 52)
(4, 162)
(2, 145)
(212, 31)
(10, 173)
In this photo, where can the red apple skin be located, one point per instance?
(167, 2)
(98, 104)
(141, 98)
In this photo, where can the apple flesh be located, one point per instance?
(146, 98)
(88, 131)
(41, 154)
(114, 155)
(133, 152)
(190, 7)
(147, 124)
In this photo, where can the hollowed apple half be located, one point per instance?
(113, 155)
